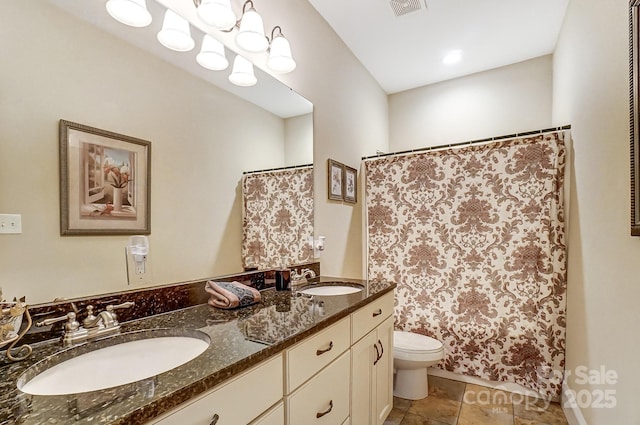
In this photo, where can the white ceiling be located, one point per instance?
(406, 51)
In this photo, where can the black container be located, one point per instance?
(283, 280)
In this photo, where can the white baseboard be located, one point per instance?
(571, 409)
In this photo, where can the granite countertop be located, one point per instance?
(240, 339)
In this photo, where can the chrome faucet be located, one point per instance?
(298, 278)
(105, 323)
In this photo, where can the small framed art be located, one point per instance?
(335, 173)
(350, 182)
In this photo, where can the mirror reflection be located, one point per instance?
(70, 60)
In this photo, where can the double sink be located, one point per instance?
(130, 357)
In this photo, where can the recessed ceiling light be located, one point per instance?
(452, 57)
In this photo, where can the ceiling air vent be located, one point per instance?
(402, 7)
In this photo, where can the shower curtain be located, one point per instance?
(474, 238)
(277, 217)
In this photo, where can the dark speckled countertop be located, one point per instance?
(240, 339)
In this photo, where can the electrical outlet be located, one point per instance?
(138, 272)
(10, 224)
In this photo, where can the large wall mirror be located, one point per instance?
(68, 59)
(634, 67)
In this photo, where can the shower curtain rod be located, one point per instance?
(290, 167)
(472, 142)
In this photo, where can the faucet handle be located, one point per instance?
(110, 309)
(71, 325)
(127, 304)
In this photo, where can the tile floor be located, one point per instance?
(457, 403)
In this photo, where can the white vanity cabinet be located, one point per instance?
(340, 375)
(234, 401)
(372, 362)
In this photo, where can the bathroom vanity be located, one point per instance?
(292, 359)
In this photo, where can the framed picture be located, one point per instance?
(335, 172)
(105, 182)
(350, 182)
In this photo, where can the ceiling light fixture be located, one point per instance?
(242, 72)
(454, 56)
(175, 33)
(129, 12)
(212, 55)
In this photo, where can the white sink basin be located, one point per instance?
(331, 290)
(114, 365)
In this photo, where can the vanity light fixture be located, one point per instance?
(212, 54)
(242, 72)
(250, 36)
(129, 12)
(217, 13)
(280, 58)
(175, 33)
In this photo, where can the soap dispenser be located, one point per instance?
(283, 279)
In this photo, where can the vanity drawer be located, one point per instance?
(232, 401)
(370, 316)
(309, 356)
(326, 396)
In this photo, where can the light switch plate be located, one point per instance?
(10, 224)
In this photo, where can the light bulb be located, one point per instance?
(217, 13)
(242, 73)
(212, 55)
(175, 33)
(129, 12)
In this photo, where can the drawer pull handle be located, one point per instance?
(319, 352)
(378, 312)
(321, 414)
(214, 419)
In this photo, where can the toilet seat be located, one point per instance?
(413, 343)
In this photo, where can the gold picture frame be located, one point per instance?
(105, 182)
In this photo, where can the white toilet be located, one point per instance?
(412, 355)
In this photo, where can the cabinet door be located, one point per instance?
(362, 380)
(383, 398)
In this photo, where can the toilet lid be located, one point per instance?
(415, 343)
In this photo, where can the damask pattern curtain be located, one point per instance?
(277, 217)
(475, 239)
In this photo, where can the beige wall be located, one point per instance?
(501, 101)
(350, 120)
(591, 92)
(57, 67)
